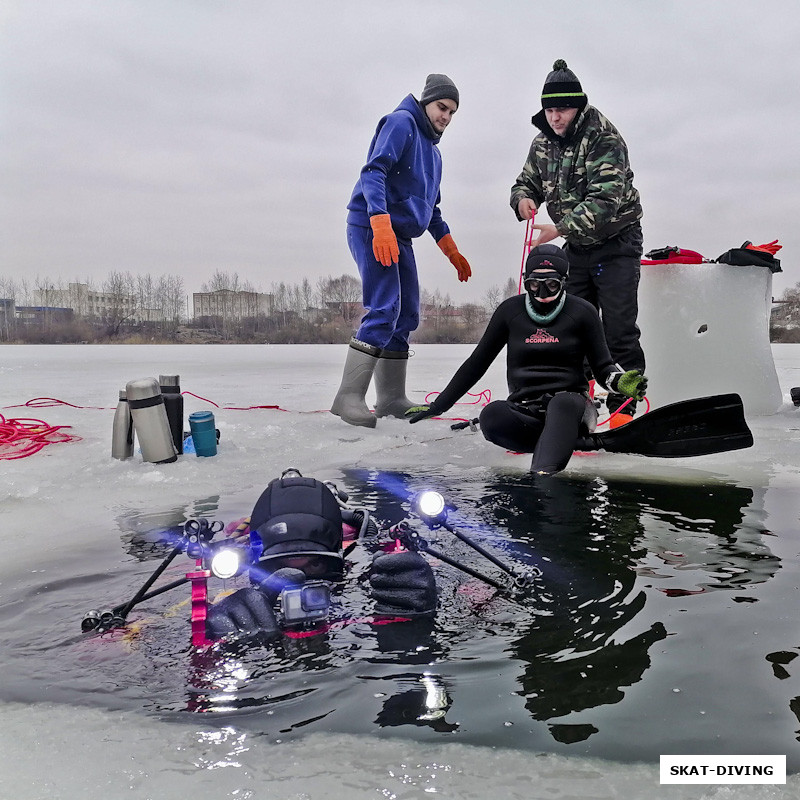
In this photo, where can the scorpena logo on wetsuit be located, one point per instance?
(541, 337)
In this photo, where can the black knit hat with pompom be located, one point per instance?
(562, 89)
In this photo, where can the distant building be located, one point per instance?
(348, 310)
(43, 315)
(784, 313)
(232, 304)
(88, 303)
(150, 315)
(435, 316)
(7, 314)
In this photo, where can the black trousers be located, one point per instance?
(608, 277)
(548, 429)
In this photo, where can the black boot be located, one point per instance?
(587, 444)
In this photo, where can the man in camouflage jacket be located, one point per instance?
(578, 165)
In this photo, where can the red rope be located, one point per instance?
(49, 402)
(251, 408)
(204, 399)
(527, 246)
(21, 437)
(619, 410)
(486, 395)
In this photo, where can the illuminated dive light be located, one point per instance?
(225, 563)
(430, 505)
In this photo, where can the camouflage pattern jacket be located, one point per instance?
(584, 178)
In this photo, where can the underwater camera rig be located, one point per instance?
(301, 605)
(222, 559)
(431, 507)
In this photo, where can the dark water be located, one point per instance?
(664, 619)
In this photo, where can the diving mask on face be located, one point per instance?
(545, 286)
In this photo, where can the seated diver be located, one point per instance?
(301, 527)
(548, 334)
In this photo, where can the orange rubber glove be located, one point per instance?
(770, 247)
(448, 247)
(384, 242)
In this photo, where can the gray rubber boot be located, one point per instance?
(349, 403)
(390, 383)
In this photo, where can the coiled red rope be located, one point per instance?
(21, 437)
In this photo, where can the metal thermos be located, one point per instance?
(150, 421)
(173, 402)
(122, 432)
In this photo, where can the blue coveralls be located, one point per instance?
(401, 178)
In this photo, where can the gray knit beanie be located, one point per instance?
(438, 87)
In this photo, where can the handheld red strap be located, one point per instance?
(527, 246)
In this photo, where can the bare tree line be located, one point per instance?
(150, 307)
(97, 310)
(785, 319)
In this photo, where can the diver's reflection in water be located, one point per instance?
(584, 538)
(424, 703)
(423, 698)
(420, 699)
(226, 676)
(588, 539)
(214, 681)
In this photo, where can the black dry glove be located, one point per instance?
(402, 584)
(244, 613)
(631, 383)
(275, 582)
(420, 413)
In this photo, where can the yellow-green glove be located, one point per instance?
(631, 383)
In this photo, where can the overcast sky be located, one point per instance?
(190, 136)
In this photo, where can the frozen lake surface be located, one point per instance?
(664, 621)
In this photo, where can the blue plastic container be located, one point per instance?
(204, 433)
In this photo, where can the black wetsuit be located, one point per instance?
(548, 390)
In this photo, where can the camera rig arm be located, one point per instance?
(412, 540)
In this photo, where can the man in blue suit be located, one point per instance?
(395, 200)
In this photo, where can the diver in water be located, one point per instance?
(548, 334)
(303, 533)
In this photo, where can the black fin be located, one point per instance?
(695, 427)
